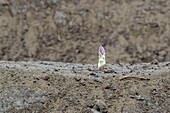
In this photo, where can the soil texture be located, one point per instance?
(72, 30)
(48, 53)
(50, 87)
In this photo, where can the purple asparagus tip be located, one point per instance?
(101, 50)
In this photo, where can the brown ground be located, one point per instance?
(71, 30)
(132, 31)
(48, 87)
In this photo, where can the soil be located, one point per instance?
(72, 30)
(50, 87)
(135, 34)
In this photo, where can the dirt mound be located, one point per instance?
(71, 30)
(49, 87)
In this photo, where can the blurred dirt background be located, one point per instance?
(72, 30)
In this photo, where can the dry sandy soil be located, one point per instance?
(70, 31)
(49, 87)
